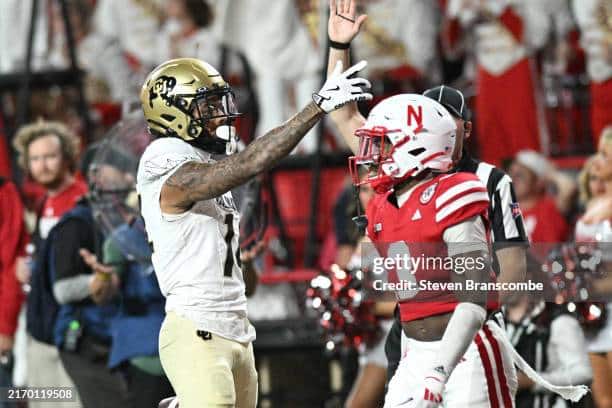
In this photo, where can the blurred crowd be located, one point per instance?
(537, 76)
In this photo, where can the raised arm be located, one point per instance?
(342, 27)
(195, 181)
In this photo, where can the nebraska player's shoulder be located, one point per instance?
(459, 196)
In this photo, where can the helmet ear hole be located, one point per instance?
(193, 131)
(182, 103)
(416, 152)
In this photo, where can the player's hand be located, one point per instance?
(104, 283)
(433, 387)
(340, 88)
(104, 271)
(343, 25)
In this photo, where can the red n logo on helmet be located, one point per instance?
(417, 116)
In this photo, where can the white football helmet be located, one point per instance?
(403, 136)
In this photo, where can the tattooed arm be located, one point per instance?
(194, 181)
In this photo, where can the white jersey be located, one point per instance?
(196, 253)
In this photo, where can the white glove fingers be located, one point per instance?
(362, 96)
(355, 68)
(361, 82)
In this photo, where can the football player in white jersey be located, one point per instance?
(192, 222)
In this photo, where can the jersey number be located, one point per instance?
(231, 253)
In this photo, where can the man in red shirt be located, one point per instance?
(12, 235)
(48, 153)
(543, 214)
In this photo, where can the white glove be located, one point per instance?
(340, 88)
(433, 386)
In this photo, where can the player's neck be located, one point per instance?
(408, 185)
(405, 186)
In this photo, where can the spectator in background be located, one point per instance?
(187, 32)
(543, 213)
(504, 36)
(604, 152)
(141, 310)
(108, 76)
(594, 19)
(12, 236)
(82, 330)
(590, 182)
(48, 154)
(399, 42)
(549, 339)
(595, 226)
(599, 207)
(281, 53)
(135, 25)
(127, 258)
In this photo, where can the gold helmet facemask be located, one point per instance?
(187, 98)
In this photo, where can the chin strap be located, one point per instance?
(360, 220)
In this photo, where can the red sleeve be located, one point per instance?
(512, 22)
(13, 237)
(460, 197)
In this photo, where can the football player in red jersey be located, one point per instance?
(408, 141)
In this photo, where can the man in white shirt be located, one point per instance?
(192, 222)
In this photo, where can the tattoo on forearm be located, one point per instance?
(201, 181)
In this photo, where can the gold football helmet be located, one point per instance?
(188, 98)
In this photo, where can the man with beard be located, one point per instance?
(48, 154)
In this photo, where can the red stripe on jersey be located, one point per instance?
(503, 382)
(488, 369)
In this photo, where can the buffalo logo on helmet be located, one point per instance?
(162, 88)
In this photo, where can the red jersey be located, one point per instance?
(419, 224)
(59, 204)
(544, 222)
